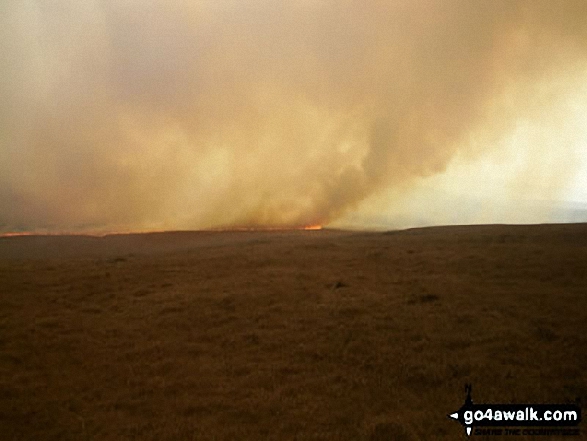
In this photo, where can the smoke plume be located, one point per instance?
(134, 115)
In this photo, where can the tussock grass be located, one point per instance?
(287, 335)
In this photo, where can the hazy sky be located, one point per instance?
(174, 114)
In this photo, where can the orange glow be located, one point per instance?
(267, 228)
(16, 234)
(37, 233)
(116, 233)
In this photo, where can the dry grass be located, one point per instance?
(286, 335)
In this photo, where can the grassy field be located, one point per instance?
(304, 335)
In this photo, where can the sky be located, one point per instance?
(146, 115)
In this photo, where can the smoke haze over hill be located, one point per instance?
(128, 115)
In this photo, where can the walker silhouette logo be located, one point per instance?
(500, 419)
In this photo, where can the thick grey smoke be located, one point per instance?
(131, 114)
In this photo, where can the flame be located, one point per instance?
(313, 227)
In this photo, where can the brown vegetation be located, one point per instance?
(286, 335)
